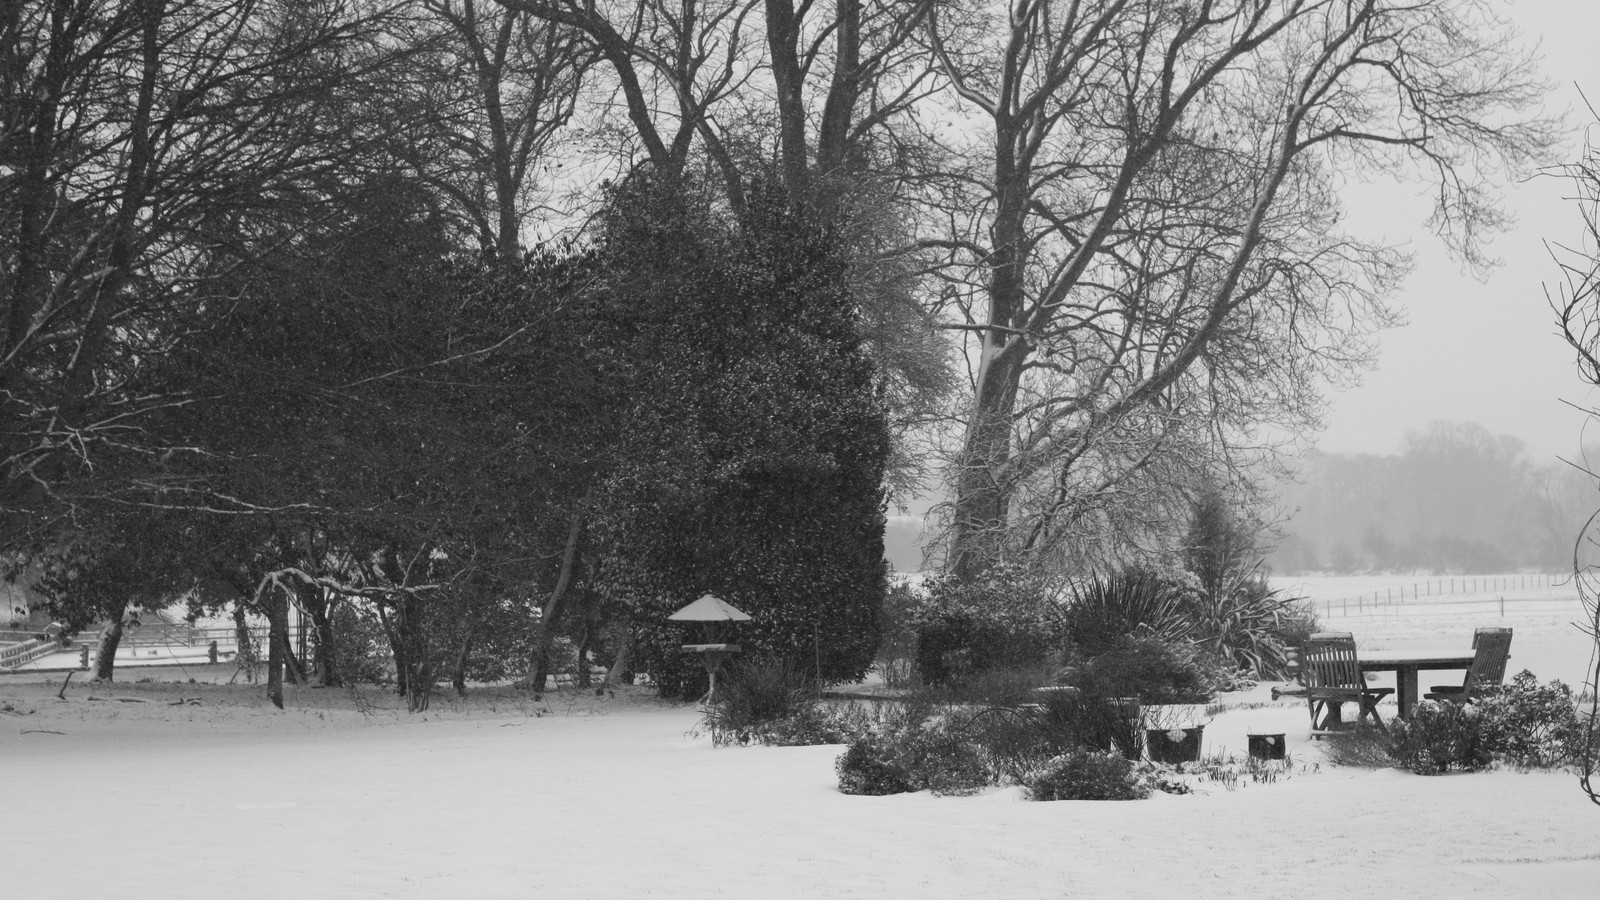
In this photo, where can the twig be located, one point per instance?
(62, 694)
(41, 731)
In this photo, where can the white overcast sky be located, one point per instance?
(1483, 351)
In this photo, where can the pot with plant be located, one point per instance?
(1173, 734)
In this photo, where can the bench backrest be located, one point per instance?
(1488, 670)
(1329, 660)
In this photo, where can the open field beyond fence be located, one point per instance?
(1544, 611)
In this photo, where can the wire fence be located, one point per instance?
(1478, 595)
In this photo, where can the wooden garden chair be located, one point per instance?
(1492, 648)
(1333, 677)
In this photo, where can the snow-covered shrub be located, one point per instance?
(1524, 723)
(1532, 725)
(1019, 739)
(870, 767)
(1005, 619)
(1155, 669)
(928, 755)
(1440, 737)
(1087, 775)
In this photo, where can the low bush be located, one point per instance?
(871, 767)
(1524, 724)
(1530, 725)
(927, 755)
(1154, 669)
(1086, 775)
(1004, 620)
(1440, 737)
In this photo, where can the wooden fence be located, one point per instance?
(16, 655)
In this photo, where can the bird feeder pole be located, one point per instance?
(714, 616)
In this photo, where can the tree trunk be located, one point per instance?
(277, 643)
(982, 483)
(544, 632)
(247, 655)
(783, 33)
(458, 677)
(325, 656)
(105, 663)
(397, 649)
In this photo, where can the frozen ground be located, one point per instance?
(205, 790)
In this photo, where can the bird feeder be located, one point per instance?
(712, 619)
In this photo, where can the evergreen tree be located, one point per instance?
(751, 460)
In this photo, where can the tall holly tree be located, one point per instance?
(752, 456)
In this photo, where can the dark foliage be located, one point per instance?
(1152, 669)
(1019, 739)
(753, 450)
(1087, 775)
(763, 701)
(1129, 601)
(1001, 620)
(1532, 725)
(926, 756)
(1438, 738)
(1247, 623)
(868, 767)
(1524, 724)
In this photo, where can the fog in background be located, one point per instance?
(1476, 348)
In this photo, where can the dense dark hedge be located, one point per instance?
(753, 453)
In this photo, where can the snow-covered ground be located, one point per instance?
(205, 790)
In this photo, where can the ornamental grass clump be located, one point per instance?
(763, 700)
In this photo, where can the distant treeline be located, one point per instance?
(1456, 499)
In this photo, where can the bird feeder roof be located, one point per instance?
(709, 609)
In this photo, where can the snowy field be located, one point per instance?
(204, 790)
(1544, 613)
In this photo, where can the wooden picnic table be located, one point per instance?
(1405, 664)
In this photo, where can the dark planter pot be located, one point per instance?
(1266, 746)
(1164, 749)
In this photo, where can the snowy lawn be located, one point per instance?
(502, 796)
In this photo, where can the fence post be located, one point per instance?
(211, 652)
(83, 657)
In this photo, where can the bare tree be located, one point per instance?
(488, 96)
(1147, 261)
(1576, 302)
(146, 146)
